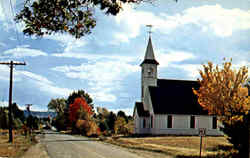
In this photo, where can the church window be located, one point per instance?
(214, 123)
(152, 122)
(144, 123)
(192, 122)
(170, 123)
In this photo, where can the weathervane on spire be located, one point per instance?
(150, 29)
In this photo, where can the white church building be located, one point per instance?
(169, 106)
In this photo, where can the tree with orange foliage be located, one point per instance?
(80, 115)
(222, 93)
(79, 110)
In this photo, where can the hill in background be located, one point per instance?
(39, 114)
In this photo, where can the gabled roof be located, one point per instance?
(175, 97)
(149, 56)
(140, 110)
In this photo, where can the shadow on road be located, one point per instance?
(70, 140)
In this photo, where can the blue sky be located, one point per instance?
(106, 63)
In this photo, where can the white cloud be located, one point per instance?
(104, 96)
(4, 72)
(173, 56)
(67, 41)
(35, 77)
(39, 81)
(20, 52)
(103, 76)
(54, 90)
(132, 20)
(2, 44)
(7, 15)
(5, 9)
(223, 22)
(44, 84)
(94, 57)
(192, 70)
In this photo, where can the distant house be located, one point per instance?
(169, 106)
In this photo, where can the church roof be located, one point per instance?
(149, 56)
(140, 110)
(175, 97)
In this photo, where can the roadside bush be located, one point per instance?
(87, 128)
(32, 122)
(3, 119)
(82, 127)
(120, 124)
(17, 124)
(60, 122)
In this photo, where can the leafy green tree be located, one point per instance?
(106, 120)
(17, 113)
(3, 118)
(122, 114)
(111, 118)
(120, 126)
(32, 122)
(58, 105)
(75, 17)
(60, 122)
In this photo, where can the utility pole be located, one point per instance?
(11, 64)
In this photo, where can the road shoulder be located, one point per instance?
(38, 150)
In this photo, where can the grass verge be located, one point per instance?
(19, 146)
(178, 146)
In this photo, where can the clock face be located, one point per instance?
(150, 71)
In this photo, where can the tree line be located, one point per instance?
(19, 119)
(77, 114)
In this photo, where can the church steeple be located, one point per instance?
(149, 56)
(149, 72)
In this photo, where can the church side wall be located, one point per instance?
(140, 122)
(204, 122)
(181, 121)
(181, 125)
(136, 122)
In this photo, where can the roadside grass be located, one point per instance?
(20, 144)
(178, 146)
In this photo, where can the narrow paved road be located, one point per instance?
(66, 146)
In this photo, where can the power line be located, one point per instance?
(13, 14)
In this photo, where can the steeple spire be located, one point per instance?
(149, 52)
(149, 55)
